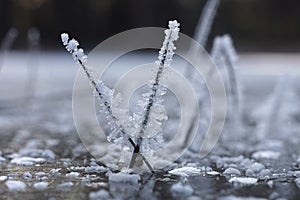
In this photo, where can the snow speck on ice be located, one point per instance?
(185, 171)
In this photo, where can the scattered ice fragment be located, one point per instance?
(228, 161)
(3, 178)
(94, 185)
(72, 174)
(55, 172)
(208, 169)
(2, 159)
(257, 167)
(123, 177)
(232, 171)
(99, 195)
(181, 190)
(243, 180)
(78, 168)
(297, 182)
(47, 154)
(266, 154)
(15, 185)
(65, 161)
(95, 169)
(64, 186)
(270, 184)
(40, 174)
(213, 173)
(13, 175)
(297, 174)
(40, 185)
(27, 161)
(27, 175)
(185, 171)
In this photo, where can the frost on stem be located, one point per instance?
(152, 114)
(206, 21)
(118, 134)
(225, 57)
(269, 113)
(7, 43)
(203, 30)
(223, 47)
(104, 94)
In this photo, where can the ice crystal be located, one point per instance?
(65, 38)
(79, 55)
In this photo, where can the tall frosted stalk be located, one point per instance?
(153, 99)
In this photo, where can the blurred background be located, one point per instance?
(37, 78)
(255, 25)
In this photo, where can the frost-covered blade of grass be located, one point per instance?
(205, 22)
(7, 42)
(9, 39)
(151, 116)
(267, 115)
(103, 93)
(33, 39)
(225, 57)
(202, 30)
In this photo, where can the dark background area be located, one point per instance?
(255, 25)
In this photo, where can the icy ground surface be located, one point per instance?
(41, 156)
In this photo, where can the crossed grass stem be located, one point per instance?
(136, 150)
(109, 110)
